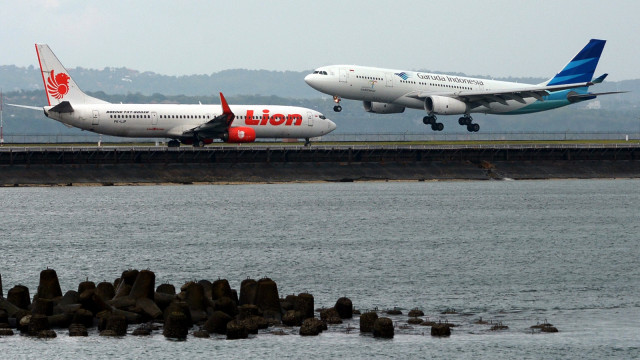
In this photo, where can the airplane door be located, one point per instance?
(96, 118)
(343, 75)
(309, 118)
(389, 78)
(154, 118)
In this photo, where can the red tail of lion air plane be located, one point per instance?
(187, 124)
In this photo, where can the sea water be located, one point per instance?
(517, 253)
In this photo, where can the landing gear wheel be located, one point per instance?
(337, 108)
(198, 143)
(429, 119)
(173, 143)
(437, 126)
(307, 142)
(473, 127)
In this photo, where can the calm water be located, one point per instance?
(519, 252)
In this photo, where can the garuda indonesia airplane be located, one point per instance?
(387, 91)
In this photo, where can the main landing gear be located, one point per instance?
(432, 120)
(173, 143)
(307, 143)
(468, 121)
(337, 108)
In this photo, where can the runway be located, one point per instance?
(343, 162)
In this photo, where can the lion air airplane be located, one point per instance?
(187, 124)
(387, 91)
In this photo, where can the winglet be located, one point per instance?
(226, 110)
(599, 79)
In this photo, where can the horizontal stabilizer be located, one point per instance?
(573, 97)
(599, 79)
(39, 108)
(63, 107)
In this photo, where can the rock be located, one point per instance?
(330, 316)
(144, 285)
(49, 286)
(106, 290)
(179, 306)
(383, 328)
(311, 327)
(86, 285)
(440, 330)
(305, 304)
(141, 331)
(292, 318)
(344, 307)
(108, 333)
(19, 296)
(416, 313)
(42, 306)
(6, 332)
(394, 311)
(37, 323)
(46, 334)
(201, 333)
(549, 329)
(166, 289)
(118, 324)
(245, 311)
(248, 292)
(127, 279)
(367, 320)
(236, 330)
(176, 326)
(414, 321)
(149, 307)
(59, 321)
(267, 298)
(225, 304)
(217, 322)
(78, 330)
(220, 288)
(208, 288)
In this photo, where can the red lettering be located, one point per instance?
(277, 119)
(250, 120)
(296, 117)
(265, 117)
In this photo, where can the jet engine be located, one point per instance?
(239, 134)
(382, 108)
(444, 105)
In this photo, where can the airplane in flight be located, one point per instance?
(388, 91)
(187, 124)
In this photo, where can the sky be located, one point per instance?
(489, 38)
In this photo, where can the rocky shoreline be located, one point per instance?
(133, 305)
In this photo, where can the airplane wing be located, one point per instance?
(216, 126)
(480, 98)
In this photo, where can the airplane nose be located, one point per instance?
(307, 79)
(332, 125)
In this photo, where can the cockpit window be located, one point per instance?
(320, 72)
(322, 117)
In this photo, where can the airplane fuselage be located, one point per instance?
(172, 121)
(409, 89)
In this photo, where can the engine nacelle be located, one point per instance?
(382, 108)
(444, 105)
(239, 134)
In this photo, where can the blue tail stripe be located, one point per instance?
(582, 66)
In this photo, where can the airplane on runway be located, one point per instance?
(388, 91)
(188, 124)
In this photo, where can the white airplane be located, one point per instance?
(387, 91)
(187, 124)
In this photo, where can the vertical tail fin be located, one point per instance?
(58, 85)
(582, 66)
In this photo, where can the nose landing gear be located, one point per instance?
(337, 108)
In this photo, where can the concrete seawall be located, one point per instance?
(230, 164)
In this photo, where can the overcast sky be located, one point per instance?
(494, 38)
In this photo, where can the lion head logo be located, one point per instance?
(58, 85)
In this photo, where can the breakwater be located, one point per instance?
(133, 305)
(255, 163)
